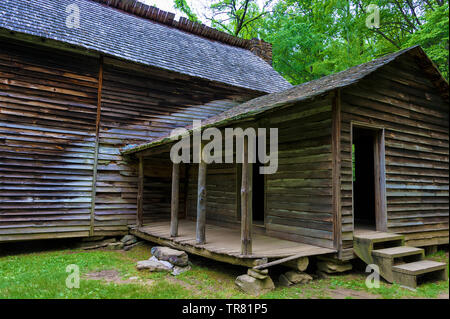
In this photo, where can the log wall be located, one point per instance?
(221, 194)
(48, 106)
(298, 195)
(48, 113)
(158, 188)
(403, 101)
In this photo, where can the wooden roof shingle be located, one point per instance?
(113, 32)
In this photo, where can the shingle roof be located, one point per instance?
(305, 91)
(112, 32)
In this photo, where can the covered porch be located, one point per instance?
(224, 243)
(210, 210)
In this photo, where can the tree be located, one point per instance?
(236, 17)
(183, 6)
(314, 38)
(433, 36)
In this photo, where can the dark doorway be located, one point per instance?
(363, 159)
(258, 198)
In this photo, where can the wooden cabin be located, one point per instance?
(71, 98)
(85, 121)
(361, 154)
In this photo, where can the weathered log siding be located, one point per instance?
(158, 188)
(416, 120)
(298, 195)
(48, 101)
(135, 108)
(221, 194)
(48, 105)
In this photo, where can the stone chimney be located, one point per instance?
(262, 49)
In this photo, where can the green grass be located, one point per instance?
(43, 275)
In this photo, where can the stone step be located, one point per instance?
(419, 267)
(397, 252)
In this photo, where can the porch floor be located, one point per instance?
(224, 244)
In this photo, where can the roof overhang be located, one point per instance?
(307, 91)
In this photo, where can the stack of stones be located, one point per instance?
(129, 241)
(166, 259)
(293, 277)
(126, 243)
(328, 265)
(256, 281)
(297, 275)
(95, 243)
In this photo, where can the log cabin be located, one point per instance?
(86, 118)
(362, 161)
(70, 98)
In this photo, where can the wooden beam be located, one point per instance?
(380, 182)
(186, 190)
(140, 195)
(246, 203)
(175, 200)
(155, 151)
(201, 200)
(238, 191)
(280, 261)
(336, 169)
(97, 140)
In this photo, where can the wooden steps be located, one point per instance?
(397, 263)
(395, 252)
(389, 257)
(424, 270)
(419, 267)
(364, 242)
(398, 252)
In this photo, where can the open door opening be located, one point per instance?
(258, 195)
(364, 145)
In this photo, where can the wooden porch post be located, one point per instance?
(175, 200)
(201, 200)
(246, 203)
(140, 196)
(336, 170)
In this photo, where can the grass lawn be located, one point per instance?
(38, 273)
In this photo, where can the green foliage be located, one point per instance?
(241, 18)
(314, 38)
(433, 36)
(43, 275)
(183, 6)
